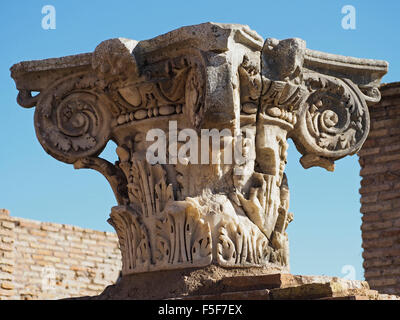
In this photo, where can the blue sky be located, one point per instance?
(325, 234)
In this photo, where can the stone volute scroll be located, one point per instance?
(186, 211)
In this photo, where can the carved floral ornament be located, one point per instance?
(209, 76)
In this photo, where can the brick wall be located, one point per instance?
(380, 193)
(41, 260)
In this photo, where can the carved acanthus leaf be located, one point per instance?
(183, 238)
(133, 239)
(240, 245)
(147, 187)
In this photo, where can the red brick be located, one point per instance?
(376, 225)
(378, 133)
(369, 151)
(373, 169)
(7, 285)
(375, 188)
(392, 101)
(376, 207)
(387, 157)
(370, 198)
(386, 123)
(395, 194)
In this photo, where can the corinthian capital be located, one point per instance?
(195, 208)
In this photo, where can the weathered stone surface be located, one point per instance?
(198, 209)
(38, 262)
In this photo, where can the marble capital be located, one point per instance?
(210, 76)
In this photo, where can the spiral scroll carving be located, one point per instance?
(72, 121)
(334, 120)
